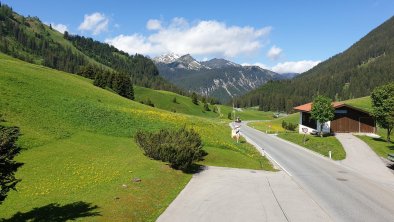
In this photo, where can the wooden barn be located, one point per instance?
(348, 119)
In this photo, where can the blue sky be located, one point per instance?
(280, 35)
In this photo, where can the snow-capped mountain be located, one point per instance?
(219, 63)
(167, 58)
(218, 78)
(180, 62)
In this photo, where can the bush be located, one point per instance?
(206, 107)
(215, 109)
(289, 126)
(174, 100)
(229, 116)
(147, 102)
(178, 147)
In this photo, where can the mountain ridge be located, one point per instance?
(219, 78)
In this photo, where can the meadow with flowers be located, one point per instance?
(78, 145)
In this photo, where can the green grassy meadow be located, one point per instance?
(79, 147)
(164, 100)
(275, 125)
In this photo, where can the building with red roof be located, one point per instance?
(347, 119)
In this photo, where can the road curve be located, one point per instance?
(344, 194)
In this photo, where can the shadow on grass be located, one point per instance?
(389, 145)
(57, 213)
(194, 168)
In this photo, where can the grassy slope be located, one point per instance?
(79, 146)
(363, 103)
(164, 100)
(56, 36)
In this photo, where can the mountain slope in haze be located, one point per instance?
(27, 38)
(217, 78)
(353, 73)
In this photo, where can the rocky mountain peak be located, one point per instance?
(219, 63)
(167, 58)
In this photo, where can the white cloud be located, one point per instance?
(274, 53)
(294, 67)
(60, 27)
(206, 38)
(153, 24)
(96, 23)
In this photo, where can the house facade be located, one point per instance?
(347, 119)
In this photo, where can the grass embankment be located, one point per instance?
(379, 145)
(317, 144)
(79, 148)
(164, 100)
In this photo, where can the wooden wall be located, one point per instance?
(350, 120)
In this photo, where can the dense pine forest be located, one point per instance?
(354, 73)
(28, 39)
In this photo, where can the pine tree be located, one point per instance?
(8, 166)
(206, 107)
(194, 98)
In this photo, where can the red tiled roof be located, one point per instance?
(308, 106)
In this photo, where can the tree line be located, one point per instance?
(118, 82)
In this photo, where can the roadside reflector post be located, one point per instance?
(305, 131)
(329, 154)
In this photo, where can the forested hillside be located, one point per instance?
(351, 74)
(27, 38)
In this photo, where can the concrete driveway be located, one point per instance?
(361, 158)
(226, 194)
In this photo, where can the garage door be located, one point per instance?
(367, 125)
(340, 124)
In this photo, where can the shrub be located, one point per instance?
(215, 109)
(229, 116)
(206, 107)
(284, 125)
(174, 100)
(178, 147)
(147, 102)
(289, 126)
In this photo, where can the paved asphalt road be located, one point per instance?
(220, 194)
(343, 193)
